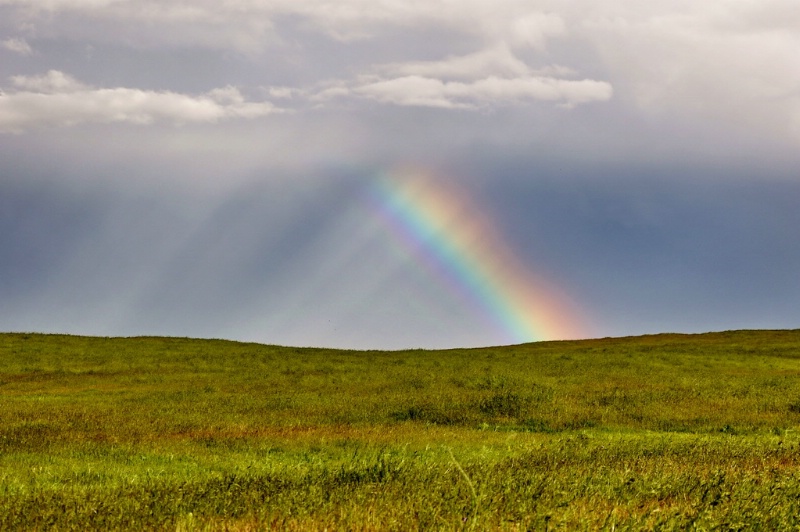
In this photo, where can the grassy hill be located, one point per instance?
(662, 431)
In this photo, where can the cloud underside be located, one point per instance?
(17, 45)
(249, 26)
(430, 92)
(57, 99)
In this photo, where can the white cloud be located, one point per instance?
(227, 95)
(282, 92)
(331, 90)
(732, 62)
(491, 91)
(414, 91)
(535, 29)
(497, 61)
(488, 78)
(51, 83)
(17, 45)
(56, 99)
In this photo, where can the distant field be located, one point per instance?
(665, 431)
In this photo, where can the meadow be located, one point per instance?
(654, 432)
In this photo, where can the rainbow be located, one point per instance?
(441, 228)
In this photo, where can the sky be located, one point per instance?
(384, 175)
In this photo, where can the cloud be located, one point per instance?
(497, 61)
(492, 75)
(733, 63)
(51, 83)
(251, 25)
(491, 91)
(487, 78)
(535, 29)
(17, 45)
(679, 65)
(56, 99)
(414, 91)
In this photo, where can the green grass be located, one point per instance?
(653, 432)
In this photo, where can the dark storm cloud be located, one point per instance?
(663, 248)
(38, 227)
(640, 253)
(116, 260)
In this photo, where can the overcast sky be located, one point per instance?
(204, 168)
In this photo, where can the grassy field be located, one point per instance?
(660, 432)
